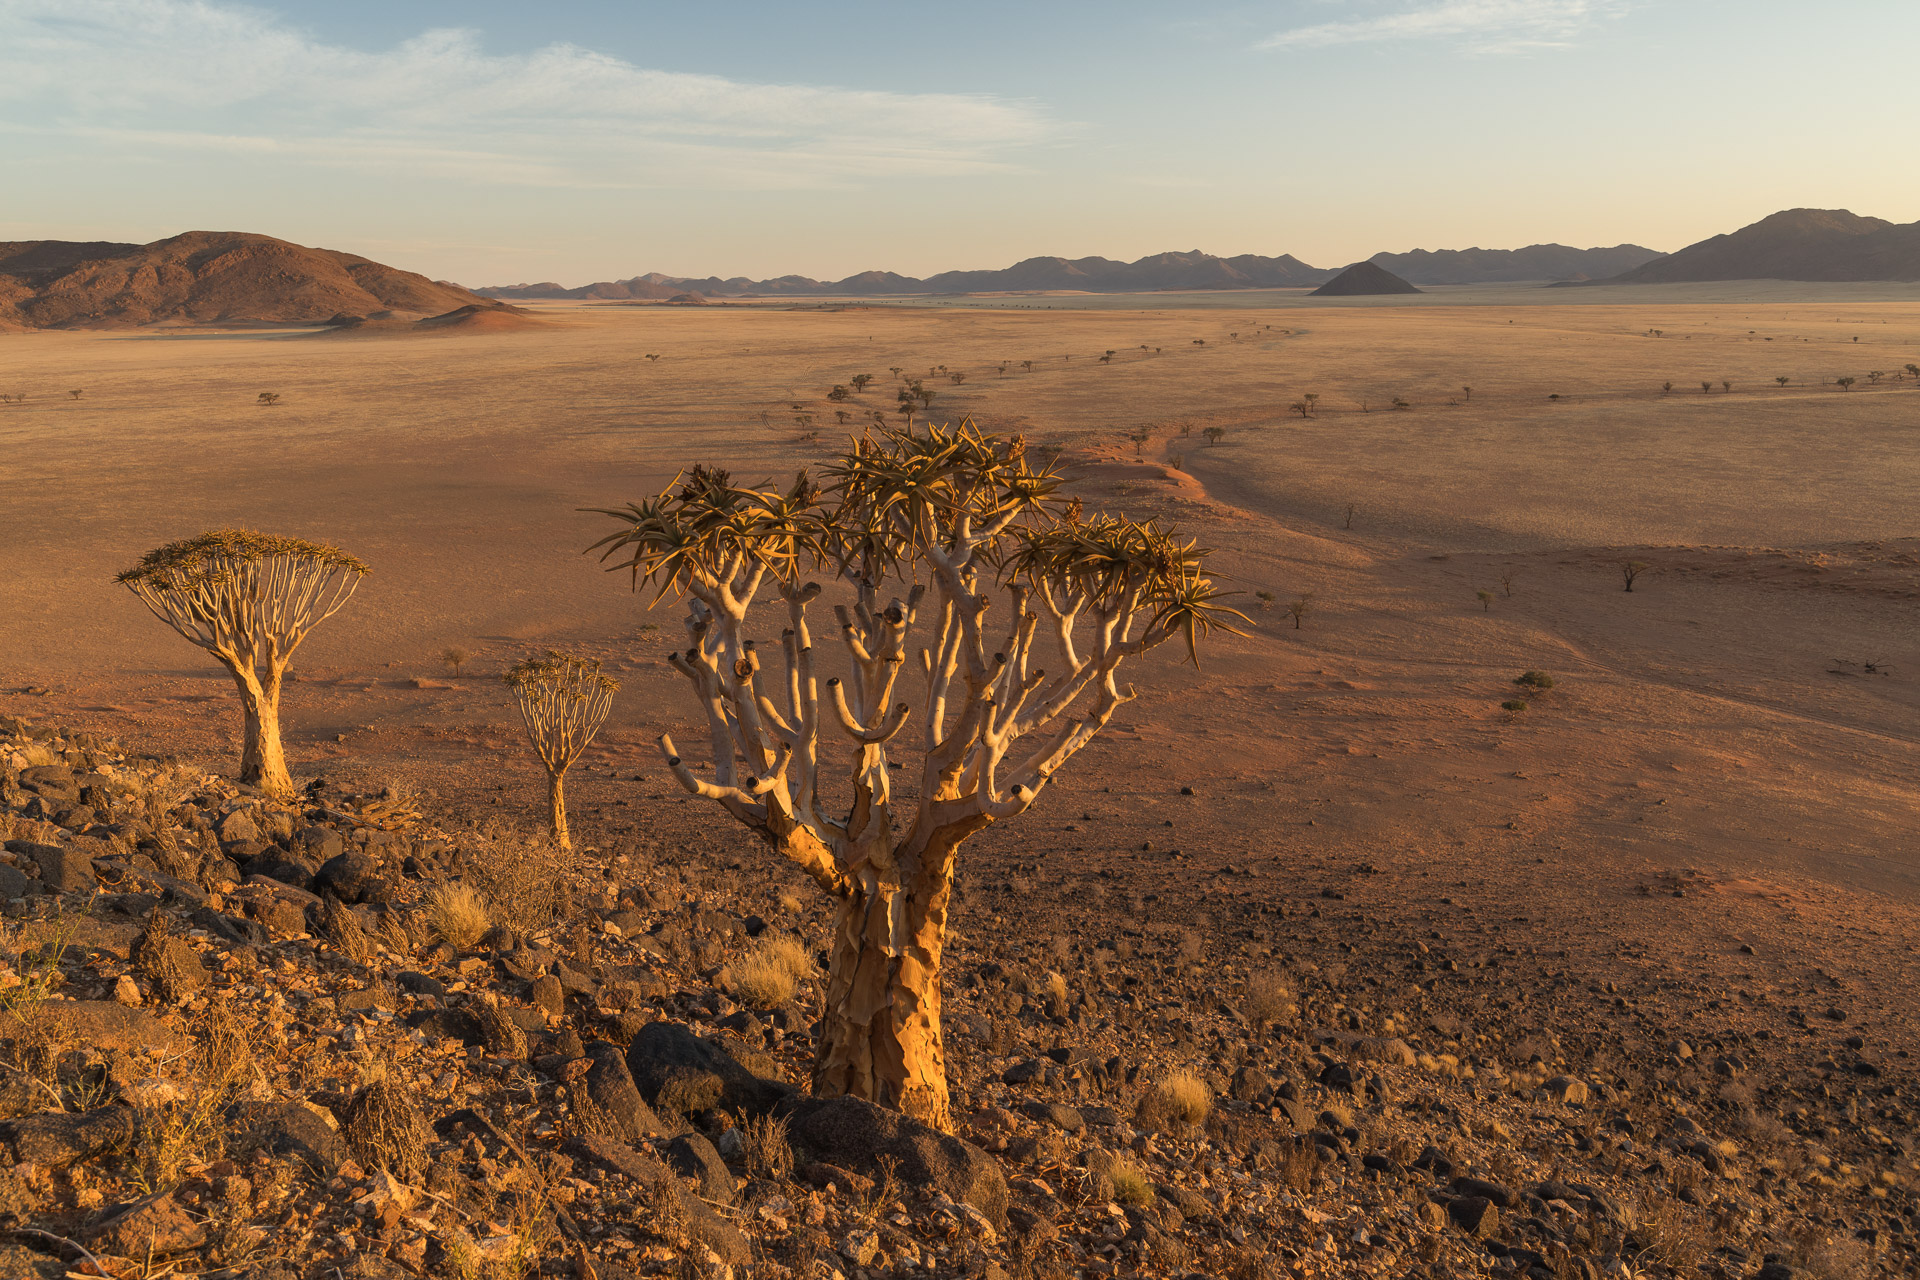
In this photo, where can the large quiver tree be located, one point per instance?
(965, 519)
(249, 599)
(563, 701)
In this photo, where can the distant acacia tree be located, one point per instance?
(1913, 371)
(249, 599)
(269, 398)
(1466, 393)
(1666, 388)
(1299, 609)
(1027, 365)
(966, 520)
(1630, 571)
(1214, 435)
(563, 701)
(1874, 376)
(1299, 407)
(1783, 379)
(860, 381)
(1726, 385)
(455, 658)
(1845, 383)
(1486, 600)
(76, 394)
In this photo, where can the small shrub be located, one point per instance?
(385, 1129)
(458, 914)
(1265, 598)
(1486, 600)
(1130, 1185)
(1269, 999)
(1513, 704)
(455, 658)
(1534, 680)
(765, 1149)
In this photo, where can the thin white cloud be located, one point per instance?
(1485, 25)
(220, 78)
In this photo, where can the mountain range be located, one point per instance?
(1160, 271)
(224, 277)
(1794, 244)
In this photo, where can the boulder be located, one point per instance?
(678, 1070)
(856, 1134)
(15, 883)
(351, 877)
(610, 1085)
(57, 1139)
(692, 1156)
(292, 1129)
(62, 870)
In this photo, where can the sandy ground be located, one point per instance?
(1718, 730)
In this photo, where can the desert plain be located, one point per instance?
(1712, 810)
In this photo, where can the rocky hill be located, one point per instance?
(212, 277)
(347, 1037)
(1363, 279)
(1795, 244)
(1497, 266)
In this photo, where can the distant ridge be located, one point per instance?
(1794, 244)
(1160, 271)
(1363, 279)
(225, 277)
(1512, 266)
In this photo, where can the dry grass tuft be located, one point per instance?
(765, 1149)
(1182, 1100)
(458, 914)
(1130, 1184)
(770, 975)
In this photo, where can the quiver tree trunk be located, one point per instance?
(263, 762)
(881, 1036)
(963, 516)
(557, 808)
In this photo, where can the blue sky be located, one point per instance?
(492, 143)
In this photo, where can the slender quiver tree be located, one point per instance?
(249, 599)
(967, 519)
(563, 701)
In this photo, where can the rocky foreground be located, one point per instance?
(241, 1038)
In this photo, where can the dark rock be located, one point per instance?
(287, 870)
(849, 1132)
(291, 1129)
(16, 884)
(156, 1225)
(678, 1070)
(61, 869)
(50, 781)
(1475, 1215)
(1249, 1084)
(702, 1223)
(415, 983)
(351, 877)
(692, 1156)
(237, 828)
(448, 1024)
(1493, 1191)
(57, 1139)
(319, 843)
(1024, 1072)
(610, 1085)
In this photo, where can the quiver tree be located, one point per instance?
(563, 702)
(969, 521)
(249, 599)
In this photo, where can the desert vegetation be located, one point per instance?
(249, 599)
(563, 701)
(966, 514)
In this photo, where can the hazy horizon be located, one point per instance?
(488, 144)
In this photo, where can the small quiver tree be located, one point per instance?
(249, 599)
(563, 701)
(965, 518)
